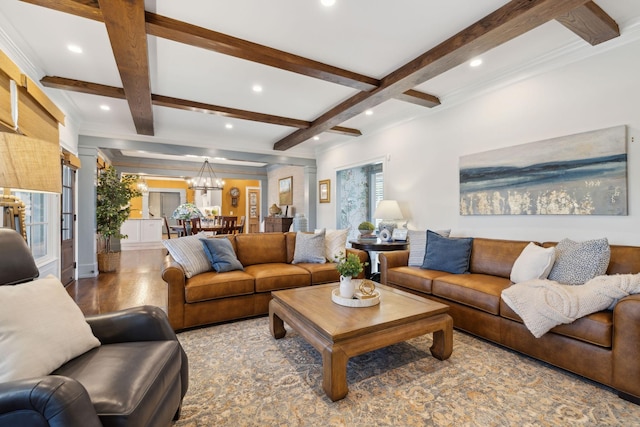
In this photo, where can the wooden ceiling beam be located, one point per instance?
(591, 23)
(126, 28)
(89, 9)
(508, 22)
(183, 104)
(182, 32)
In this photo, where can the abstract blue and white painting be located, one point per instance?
(582, 174)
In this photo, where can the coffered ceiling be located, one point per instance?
(178, 77)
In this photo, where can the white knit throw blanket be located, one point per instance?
(544, 304)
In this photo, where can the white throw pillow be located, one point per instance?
(335, 242)
(189, 253)
(534, 262)
(41, 328)
(418, 245)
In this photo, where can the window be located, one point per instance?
(36, 222)
(359, 190)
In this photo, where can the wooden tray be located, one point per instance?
(356, 301)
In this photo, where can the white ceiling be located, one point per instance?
(370, 37)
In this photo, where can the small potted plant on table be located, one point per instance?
(349, 266)
(366, 229)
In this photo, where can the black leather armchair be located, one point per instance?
(137, 377)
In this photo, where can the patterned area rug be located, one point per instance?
(241, 376)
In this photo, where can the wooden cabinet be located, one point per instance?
(272, 223)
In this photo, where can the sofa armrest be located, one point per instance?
(54, 401)
(145, 323)
(363, 256)
(391, 259)
(626, 347)
(174, 275)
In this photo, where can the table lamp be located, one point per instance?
(389, 212)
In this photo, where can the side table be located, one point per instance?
(377, 245)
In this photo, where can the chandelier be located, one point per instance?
(206, 179)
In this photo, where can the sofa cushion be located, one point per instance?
(274, 276)
(595, 328)
(474, 290)
(535, 262)
(189, 253)
(221, 254)
(495, 257)
(309, 248)
(212, 285)
(446, 254)
(125, 396)
(413, 277)
(578, 262)
(41, 327)
(321, 273)
(261, 248)
(418, 245)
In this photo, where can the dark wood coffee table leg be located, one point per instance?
(276, 324)
(443, 339)
(334, 372)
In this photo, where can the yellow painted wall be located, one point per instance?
(136, 203)
(227, 209)
(242, 184)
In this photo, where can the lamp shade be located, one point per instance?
(388, 209)
(29, 164)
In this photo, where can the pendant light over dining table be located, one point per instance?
(206, 179)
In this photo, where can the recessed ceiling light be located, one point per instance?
(229, 126)
(105, 107)
(257, 88)
(74, 48)
(328, 3)
(316, 138)
(476, 62)
(219, 158)
(368, 112)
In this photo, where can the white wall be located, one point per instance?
(421, 166)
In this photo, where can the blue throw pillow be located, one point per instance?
(221, 254)
(446, 254)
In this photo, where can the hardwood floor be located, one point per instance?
(137, 282)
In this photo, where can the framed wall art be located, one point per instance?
(285, 191)
(581, 174)
(324, 190)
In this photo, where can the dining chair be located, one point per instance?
(166, 224)
(196, 225)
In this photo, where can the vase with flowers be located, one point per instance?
(186, 212)
(349, 266)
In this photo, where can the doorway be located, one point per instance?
(67, 226)
(163, 203)
(359, 189)
(253, 203)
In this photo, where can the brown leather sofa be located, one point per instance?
(602, 346)
(136, 377)
(213, 297)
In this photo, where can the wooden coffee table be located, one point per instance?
(339, 332)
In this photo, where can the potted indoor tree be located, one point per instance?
(112, 210)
